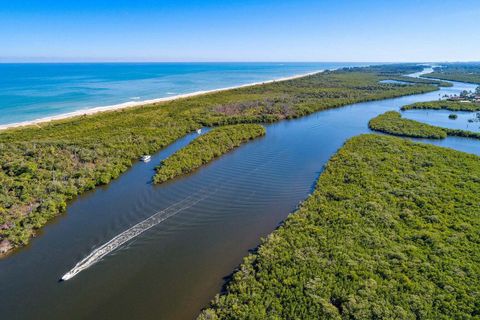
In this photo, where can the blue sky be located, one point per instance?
(302, 30)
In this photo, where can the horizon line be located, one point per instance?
(9, 61)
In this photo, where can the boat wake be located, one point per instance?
(135, 231)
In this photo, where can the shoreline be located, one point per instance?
(131, 104)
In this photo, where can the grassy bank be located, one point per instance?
(205, 148)
(44, 166)
(444, 105)
(390, 232)
(392, 122)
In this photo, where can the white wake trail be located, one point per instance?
(133, 232)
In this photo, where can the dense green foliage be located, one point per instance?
(205, 148)
(392, 122)
(412, 80)
(462, 133)
(42, 167)
(464, 72)
(391, 232)
(444, 105)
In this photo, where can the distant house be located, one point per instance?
(464, 98)
(455, 98)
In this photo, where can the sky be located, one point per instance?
(262, 30)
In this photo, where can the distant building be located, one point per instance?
(455, 98)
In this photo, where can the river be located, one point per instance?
(175, 268)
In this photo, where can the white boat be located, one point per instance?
(199, 131)
(146, 158)
(68, 276)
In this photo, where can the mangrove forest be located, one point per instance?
(390, 232)
(46, 165)
(463, 72)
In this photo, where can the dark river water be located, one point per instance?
(172, 270)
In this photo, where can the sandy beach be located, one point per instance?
(130, 104)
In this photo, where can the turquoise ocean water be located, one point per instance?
(31, 91)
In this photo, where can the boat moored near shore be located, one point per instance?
(146, 158)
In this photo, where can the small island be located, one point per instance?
(205, 148)
(391, 122)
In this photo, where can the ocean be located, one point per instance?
(30, 91)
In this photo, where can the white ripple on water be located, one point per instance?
(161, 216)
(135, 231)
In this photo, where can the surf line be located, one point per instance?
(135, 231)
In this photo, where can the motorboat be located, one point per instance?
(146, 158)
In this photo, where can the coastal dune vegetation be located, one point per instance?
(44, 166)
(205, 148)
(391, 122)
(390, 232)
